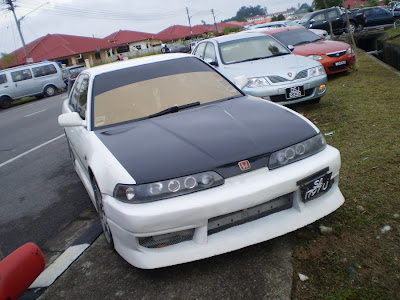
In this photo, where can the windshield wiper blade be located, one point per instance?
(173, 109)
(250, 59)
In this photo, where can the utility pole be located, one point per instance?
(190, 25)
(215, 24)
(9, 2)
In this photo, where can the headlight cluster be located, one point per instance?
(166, 188)
(257, 82)
(315, 57)
(296, 152)
(316, 71)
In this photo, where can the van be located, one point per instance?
(39, 79)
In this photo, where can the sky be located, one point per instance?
(100, 18)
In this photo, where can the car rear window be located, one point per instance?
(138, 92)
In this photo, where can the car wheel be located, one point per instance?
(50, 90)
(316, 100)
(352, 27)
(5, 102)
(100, 211)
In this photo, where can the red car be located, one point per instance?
(333, 55)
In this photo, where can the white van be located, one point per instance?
(38, 79)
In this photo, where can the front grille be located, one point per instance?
(282, 98)
(336, 54)
(224, 222)
(278, 79)
(337, 68)
(168, 239)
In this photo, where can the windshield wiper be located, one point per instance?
(303, 42)
(255, 58)
(173, 109)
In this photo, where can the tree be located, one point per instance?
(249, 11)
(320, 4)
(8, 60)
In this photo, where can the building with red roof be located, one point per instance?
(127, 40)
(68, 49)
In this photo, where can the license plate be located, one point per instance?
(294, 92)
(316, 187)
(339, 63)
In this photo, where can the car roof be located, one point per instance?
(134, 62)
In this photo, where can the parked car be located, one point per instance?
(273, 72)
(289, 23)
(71, 72)
(38, 79)
(179, 48)
(191, 167)
(320, 20)
(379, 16)
(335, 56)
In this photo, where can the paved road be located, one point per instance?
(40, 191)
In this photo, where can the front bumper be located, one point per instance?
(277, 92)
(131, 222)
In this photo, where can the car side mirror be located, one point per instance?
(71, 119)
(290, 47)
(240, 81)
(211, 62)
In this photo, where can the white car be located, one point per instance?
(181, 165)
(273, 72)
(287, 23)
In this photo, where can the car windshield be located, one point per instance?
(252, 48)
(142, 91)
(296, 37)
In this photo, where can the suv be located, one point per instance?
(320, 20)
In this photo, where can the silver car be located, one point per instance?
(270, 70)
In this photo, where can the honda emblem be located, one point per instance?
(244, 165)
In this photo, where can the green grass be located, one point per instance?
(363, 110)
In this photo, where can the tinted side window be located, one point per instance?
(3, 78)
(210, 52)
(199, 52)
(21, 75)
(44, 70)
(333, 14)
(319, 17)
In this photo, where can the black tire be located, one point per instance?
(316, 100)
(50, 91)
(102, 215)
(5, 102)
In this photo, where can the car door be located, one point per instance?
(22, 83)
(320, 21)
(77, 135)
(336, 19)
